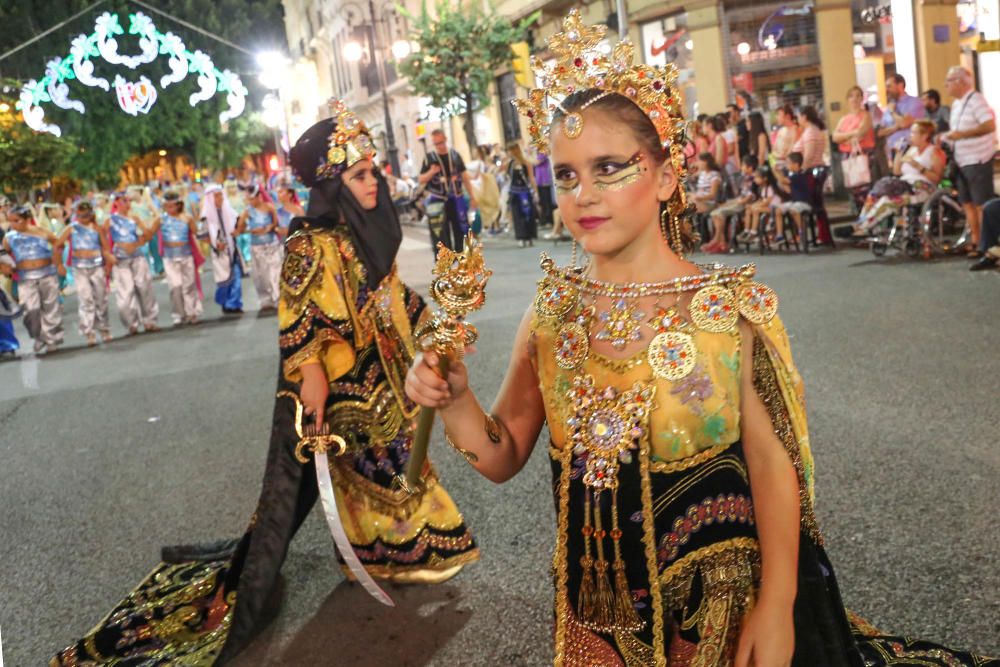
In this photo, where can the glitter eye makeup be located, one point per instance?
(622, 175)
(618, 176)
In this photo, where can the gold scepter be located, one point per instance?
(459, 287)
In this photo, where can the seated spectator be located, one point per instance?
(708, 190)
(796, 184)
(736, 206)
(917, 171)
(768, 199)
(757, 140)
(991, 237)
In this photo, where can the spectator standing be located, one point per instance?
(856, 125)
(714, 128)
(937, 114)
(973, 137)
(758, 143)
(812, 142)
(522, 196)
(730, 132)
(740, 130)
(899, 114)
(785, 137)
(444, 174)
(543, 184)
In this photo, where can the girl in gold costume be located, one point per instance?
(345, 336)
(680, 455)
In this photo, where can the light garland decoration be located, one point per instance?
(133, 97)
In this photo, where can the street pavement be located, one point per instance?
(109, 453)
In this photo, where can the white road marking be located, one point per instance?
(29, 373)
(413, 244)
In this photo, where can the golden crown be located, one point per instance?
(349, 142)
(580, 65)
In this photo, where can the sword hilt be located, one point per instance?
(312, 439)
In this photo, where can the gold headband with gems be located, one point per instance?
(580, 65)
(349, 143)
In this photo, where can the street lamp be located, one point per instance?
(273, 75)
(353, 52)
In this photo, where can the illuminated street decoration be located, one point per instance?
(133, 97)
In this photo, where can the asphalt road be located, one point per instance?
(107, 454)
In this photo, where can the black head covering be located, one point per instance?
(376, 234)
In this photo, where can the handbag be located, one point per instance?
(857, 171)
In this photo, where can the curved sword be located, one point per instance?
(319, 444)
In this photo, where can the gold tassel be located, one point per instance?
(626, 617)
(603, 619)
(604, 600)
(585, 601)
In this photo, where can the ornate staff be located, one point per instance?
(458, 288)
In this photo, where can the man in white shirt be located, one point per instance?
(973, 139)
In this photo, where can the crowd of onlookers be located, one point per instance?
(759, 177)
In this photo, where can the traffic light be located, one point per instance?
(521, 64)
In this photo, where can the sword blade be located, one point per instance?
(329, 501)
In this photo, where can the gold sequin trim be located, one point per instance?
(397, 504)
(719, 559)
(559, 565)
(312, 349)
(649, 541)
(689, 462)
(765, 381)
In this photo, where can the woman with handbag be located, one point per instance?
(855, 137)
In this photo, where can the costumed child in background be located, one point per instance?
(38, 257)
(227, 265)
(680, 457)
(9, 310)
(131, 279)
(181, 259)
(91, 259)
(346, 325)
(260, 219)
(288, 207)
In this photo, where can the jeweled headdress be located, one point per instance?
(348, 143)
(580, 65)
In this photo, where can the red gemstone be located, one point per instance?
(578, 61)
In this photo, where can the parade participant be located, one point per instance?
(345, 322)
(9, 310)
(260, 219)
(682, 472)
(38, 257)
(227, 265)
(234, 193)
(148, 210)
(130, 276)
(288, 208)
(91, 259)
(181, 259)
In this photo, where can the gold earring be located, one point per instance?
(573, 263)
(670, 228)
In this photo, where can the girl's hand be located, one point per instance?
(767, 638)
(428, 389)
(314, 391)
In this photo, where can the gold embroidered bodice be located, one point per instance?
(696, 408)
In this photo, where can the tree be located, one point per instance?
(461, 47)
(27, 158)
(104, 136)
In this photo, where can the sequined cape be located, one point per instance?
(205, 603)
(683, 508)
